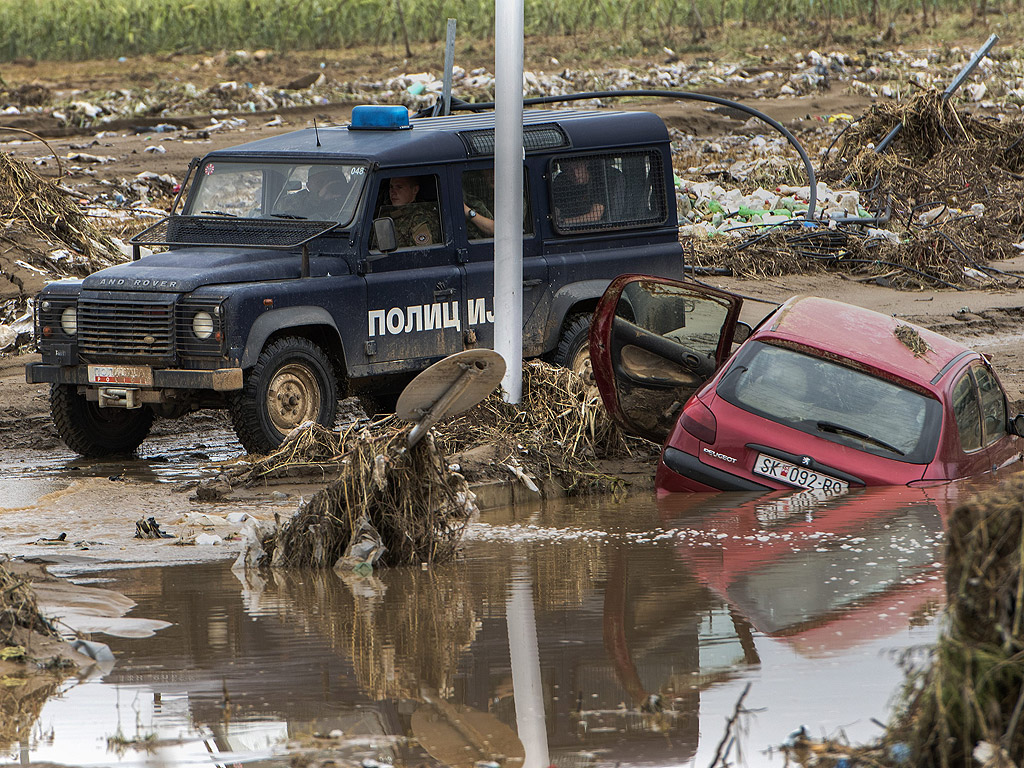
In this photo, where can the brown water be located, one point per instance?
(634, 630)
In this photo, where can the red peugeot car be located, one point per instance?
(821, 395)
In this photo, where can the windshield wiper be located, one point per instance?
(839, 429)
(287, 216)
(220, 213)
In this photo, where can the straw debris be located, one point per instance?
(951, 185)
(413, 503)
(49, 211)
(18, 610)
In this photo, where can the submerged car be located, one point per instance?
(821, 395)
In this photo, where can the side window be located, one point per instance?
(993, 405)
(608, 191)
(413, 203)
(967, 411)
(478, 204)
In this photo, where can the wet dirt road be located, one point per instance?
(602, 633)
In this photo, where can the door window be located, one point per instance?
(413, 204)
(967, 411)
(478, 197)
(993, 405)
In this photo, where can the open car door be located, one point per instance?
(653, 342)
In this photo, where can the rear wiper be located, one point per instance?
(839, 429)
(287, 216)
(220, 213)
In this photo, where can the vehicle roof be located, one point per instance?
(862, 335)
(437, 139)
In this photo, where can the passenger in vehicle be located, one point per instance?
(416, 222)
(325, 192)
(576, 194)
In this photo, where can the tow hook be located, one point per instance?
(119, 397)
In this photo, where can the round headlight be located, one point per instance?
(69, 321)
(202, 325)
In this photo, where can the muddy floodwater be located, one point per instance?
(576, 633)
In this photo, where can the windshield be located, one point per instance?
(833, 401)
(268, 190)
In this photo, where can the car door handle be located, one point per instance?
(444, 293)
(531, 283)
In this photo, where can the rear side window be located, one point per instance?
(607, 191)
(979, 408)
(833, 402)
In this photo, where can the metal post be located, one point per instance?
(508, 194)
(449, 64)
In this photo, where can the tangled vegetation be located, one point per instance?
(950, 191)
(412, 499)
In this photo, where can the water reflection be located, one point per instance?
(648, 618)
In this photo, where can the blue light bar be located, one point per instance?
(375, 117)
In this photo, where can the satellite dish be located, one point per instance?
(449, 387)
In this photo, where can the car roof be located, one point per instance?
(864, 336)
(432, 140)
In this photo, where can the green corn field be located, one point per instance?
(86, 29)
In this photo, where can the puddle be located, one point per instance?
(176, 453)
(634, 630)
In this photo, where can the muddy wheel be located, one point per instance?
(291, 383)
(573, 349)
(93, 431)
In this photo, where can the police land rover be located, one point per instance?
(325, 263)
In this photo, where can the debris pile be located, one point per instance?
(405, 506)
(48, 237)
(944, 201)
(18, 612)
(559, 431)
(389, 504)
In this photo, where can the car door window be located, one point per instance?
(478, 196)
(967, 411)
(664, 338)
(993, 405)
(413, 204)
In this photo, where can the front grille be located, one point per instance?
(118, 326)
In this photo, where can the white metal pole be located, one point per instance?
(508, 193)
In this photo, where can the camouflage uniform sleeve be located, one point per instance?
(473, 232)
(417, 225)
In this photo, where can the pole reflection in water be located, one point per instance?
(603, 634)
(524, 656)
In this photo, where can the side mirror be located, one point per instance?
(384, 232)
(1017, 425)
(742, 333)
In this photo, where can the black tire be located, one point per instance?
(573, 349)
(292, 382)
(92, 431)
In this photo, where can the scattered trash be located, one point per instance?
(94, 650)
(148, 528)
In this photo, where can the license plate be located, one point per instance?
(769, 466)
(131, 375)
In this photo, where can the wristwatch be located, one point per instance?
(471, 214)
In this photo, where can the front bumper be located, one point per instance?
(220, 380)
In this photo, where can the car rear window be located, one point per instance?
(833, 401)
